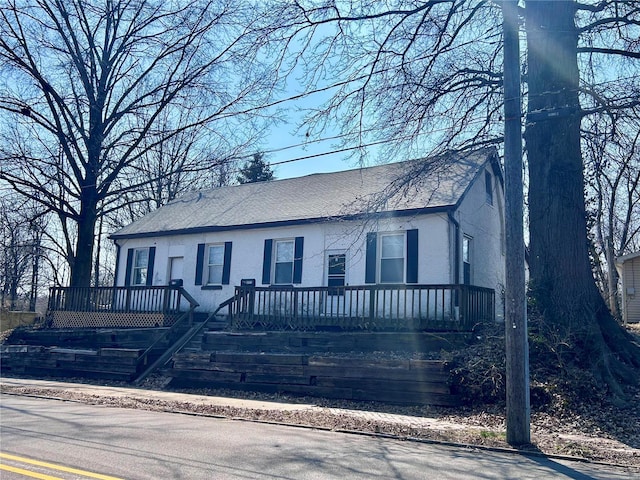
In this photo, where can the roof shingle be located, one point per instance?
(432, 183)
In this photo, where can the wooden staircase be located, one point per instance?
(197, 327)
(216, 323)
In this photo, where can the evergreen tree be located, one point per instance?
(255, 170)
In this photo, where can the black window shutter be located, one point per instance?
(127, 273)
(116, 272)
(151, 261)
(371, 257)
(226, 267)
(412, 256)
(297, 259)
(199, 263)
(266, 261)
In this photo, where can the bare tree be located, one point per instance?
(91, 90)
(21, 249)
(190, 160)
(426, 75)
(612, 157)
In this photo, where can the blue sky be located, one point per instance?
(292, 154)
(284, 134)
(291, 162)
(293, 167)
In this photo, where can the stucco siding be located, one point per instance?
(347, 237)
(483, 223)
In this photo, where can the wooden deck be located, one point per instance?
(322, 341)
(118, 307)
(286, 308)
(364, 308)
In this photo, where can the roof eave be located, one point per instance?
(284, 223)
(627, 257)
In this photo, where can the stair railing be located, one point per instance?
(177, 345)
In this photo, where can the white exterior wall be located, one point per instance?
(484, 223)
(434, 266)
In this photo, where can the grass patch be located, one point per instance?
(491, 435)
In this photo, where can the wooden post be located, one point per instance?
(464, 309)
(372, 305)
(517, 350)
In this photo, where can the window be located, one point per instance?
(392, 258)
(466, 259)
(488, 185)
(140, 266)
(282, 261)
(215, 264)
(176, 268)
(336, 272)
(283, 264)
(139, 269)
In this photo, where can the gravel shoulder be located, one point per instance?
(579, 435)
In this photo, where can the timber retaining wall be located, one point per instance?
(37, 360)
(342, 365)
(80, 352)
(385, 380)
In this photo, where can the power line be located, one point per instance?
(355, 79)
(376, 72)
(275, 150)
(336, 137)
(351, 148)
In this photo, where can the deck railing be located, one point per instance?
(139, 306)
(160, 299)
(370, 307)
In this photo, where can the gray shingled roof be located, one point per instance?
(435, 184)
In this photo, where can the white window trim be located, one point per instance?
(380, 258)
(208, 265)
(274, 257)
(170, 267)
(329, 253)
(135, 268)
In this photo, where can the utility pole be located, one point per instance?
(516, 340)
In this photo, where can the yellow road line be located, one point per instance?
(28, 473)
(53, 466)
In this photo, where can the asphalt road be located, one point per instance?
(50, 439)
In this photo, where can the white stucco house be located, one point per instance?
(361, 227)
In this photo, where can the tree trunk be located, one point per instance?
(81, 268)
(562, 283)
(96, 275)
(559, 248)
(83, 261)
(35, 272)
(612, 278)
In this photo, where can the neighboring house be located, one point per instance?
(629, 269)
(356, 227)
